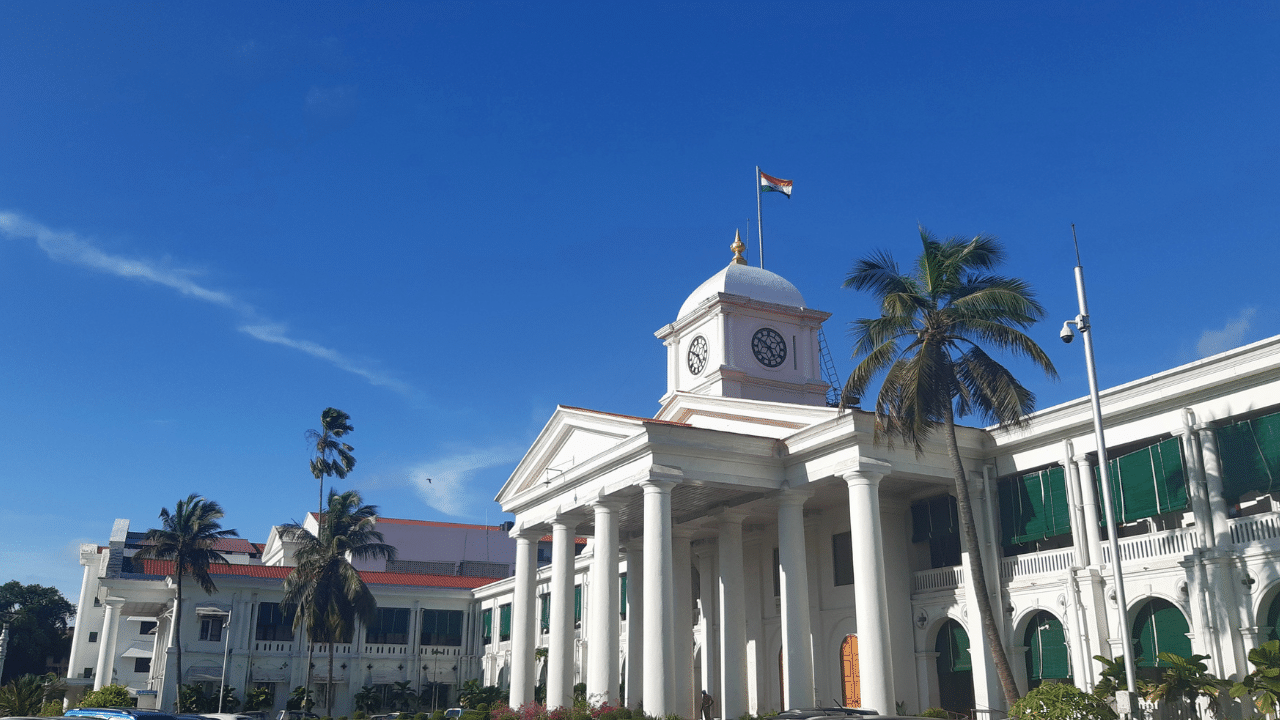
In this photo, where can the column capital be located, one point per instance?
(657, 483)
(730, 515)
(793, 496)
(1206, 425)
(682, 532)
(525, 533)
(1084, 458)
(117, 602)
(565, 520)
(864, 471)
(606, 505)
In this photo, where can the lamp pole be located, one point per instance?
(226, 651)
(435, 677)
(1125, 699)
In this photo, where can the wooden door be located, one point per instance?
(849, 671)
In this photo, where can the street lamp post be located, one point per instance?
(1125, 698)
(226, 651)
(435, 677)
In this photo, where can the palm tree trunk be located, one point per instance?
(311, 653)
(328, 690)
(965, 510)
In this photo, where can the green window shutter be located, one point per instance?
(1007, 494)
(1059, 518)
(1160, 627)
(1147, 482)
(1273, 618)
(1047, 657)
(504, 622)
(546, 613)
(577, 603)
(953, 647)
(486, 626)
(1249, 452)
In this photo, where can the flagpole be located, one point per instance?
(759, 217)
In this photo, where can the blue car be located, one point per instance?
(118, 714)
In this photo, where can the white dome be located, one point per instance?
(753, 282)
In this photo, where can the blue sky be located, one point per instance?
(445, 218)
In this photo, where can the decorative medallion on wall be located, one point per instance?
(697, 355)
(922, 619)
(769, 347)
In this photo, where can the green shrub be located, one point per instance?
(421, 716)
(935, 712)
(1060, 701)
(342, 717)
(53, 708)
(109, 696)
(359, 715)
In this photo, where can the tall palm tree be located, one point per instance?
(926, 344)
(332, 457)
(187, 537)
(325, 591)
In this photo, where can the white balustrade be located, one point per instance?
(1049, 561)
(1254, 528)
(945, 578)
(1181, 541)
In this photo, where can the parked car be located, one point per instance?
(825, 712)
(453, 713)
(118, 714)
(296, 715)
(222, 716)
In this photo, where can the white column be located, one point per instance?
(733, 701)
(682, 576)
(635, 623)
(604, 641)
(107, 650)
(926, 667)
(1196, 481)
(871, 599)
(709, 630)
(1092, 517)
(1075, 498)
(797, 655)
(659, 601)
(560, 653)
(1213, 483)
(523, 619)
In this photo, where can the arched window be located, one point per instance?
(1273, 618)
(1047, 656)
(1159, 627)
(955, 668)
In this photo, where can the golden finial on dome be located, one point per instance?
(737, 247)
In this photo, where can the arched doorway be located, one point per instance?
(1047, 656)
(1159, 626)
(849, 671)
(1273, 618)
(955, 668)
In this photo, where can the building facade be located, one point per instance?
(426, 632)
(753, 542)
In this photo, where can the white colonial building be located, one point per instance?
(426, 632)
(753, 542)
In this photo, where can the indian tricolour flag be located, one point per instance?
(769, 183)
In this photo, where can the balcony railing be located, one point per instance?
(945, 578)
(1049, 561)
(273, 646)
(1254, 528)
(1172, 542)
(386, 649)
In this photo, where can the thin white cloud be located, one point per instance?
(67, 247)
(1232, 335)
(450, 489)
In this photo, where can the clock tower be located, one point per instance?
(746, 333)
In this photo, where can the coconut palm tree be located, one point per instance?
(927, 343)
(325, 591)
(187, 537)
(332, 457)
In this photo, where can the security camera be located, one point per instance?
(1066, 334)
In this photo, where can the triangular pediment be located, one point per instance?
(571, 437)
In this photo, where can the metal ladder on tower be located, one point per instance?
(829, 370)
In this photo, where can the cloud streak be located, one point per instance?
(1231, 335)
(450, 487)
(70, 248)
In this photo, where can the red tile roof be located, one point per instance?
(231, 545)
(433, 523)
(278, 572)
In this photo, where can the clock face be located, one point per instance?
(769, 347)
(697, 355)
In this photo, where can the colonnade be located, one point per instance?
(659, 663)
